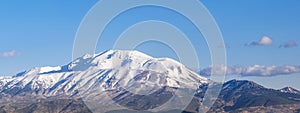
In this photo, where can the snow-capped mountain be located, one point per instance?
(118, 75)
(109, 70)
(289, 90)
(94, 83)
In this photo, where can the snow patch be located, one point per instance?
(49, 69)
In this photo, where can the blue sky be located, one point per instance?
(36, 33)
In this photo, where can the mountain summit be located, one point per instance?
(290, 90)
(110, 69)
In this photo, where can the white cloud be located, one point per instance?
(255, 70)
(264, 41)
(288, 44)
(10, 54)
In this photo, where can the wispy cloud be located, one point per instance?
(264, 41)
(255, 70)
(288, 44)
(10, 54)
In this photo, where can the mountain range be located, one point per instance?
(131, 81)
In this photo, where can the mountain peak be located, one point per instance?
(109, 69)
(289, 90)
(108, 59)
(132, 61)
(241, 84)
(119, 58)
